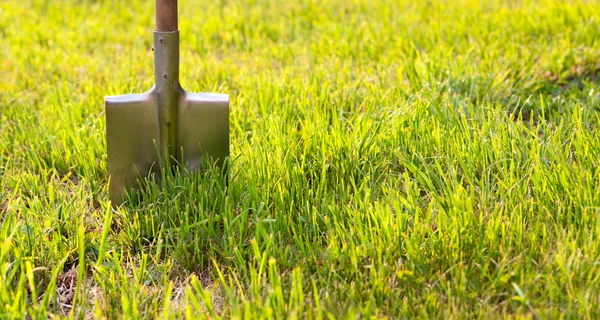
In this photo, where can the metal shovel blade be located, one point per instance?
(143, 130)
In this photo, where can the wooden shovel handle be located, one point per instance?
(166, 15)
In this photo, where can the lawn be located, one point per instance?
(431, 159)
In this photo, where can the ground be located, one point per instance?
(432, 159)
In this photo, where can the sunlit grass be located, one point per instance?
(389, 159)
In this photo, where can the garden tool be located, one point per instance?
(166, 125)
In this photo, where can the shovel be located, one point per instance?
(145, 132)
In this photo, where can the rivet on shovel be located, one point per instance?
(143, 130)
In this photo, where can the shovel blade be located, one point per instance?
(133, 136)
(204, 128)
(131, 139)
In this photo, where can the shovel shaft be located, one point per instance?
(166, 15)
(167, 90)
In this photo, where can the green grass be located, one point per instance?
(431, 159)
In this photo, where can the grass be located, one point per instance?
(431, 159)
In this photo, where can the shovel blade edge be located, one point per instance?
(131, 139)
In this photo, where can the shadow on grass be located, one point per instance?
(577, 81)
(525, 94)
